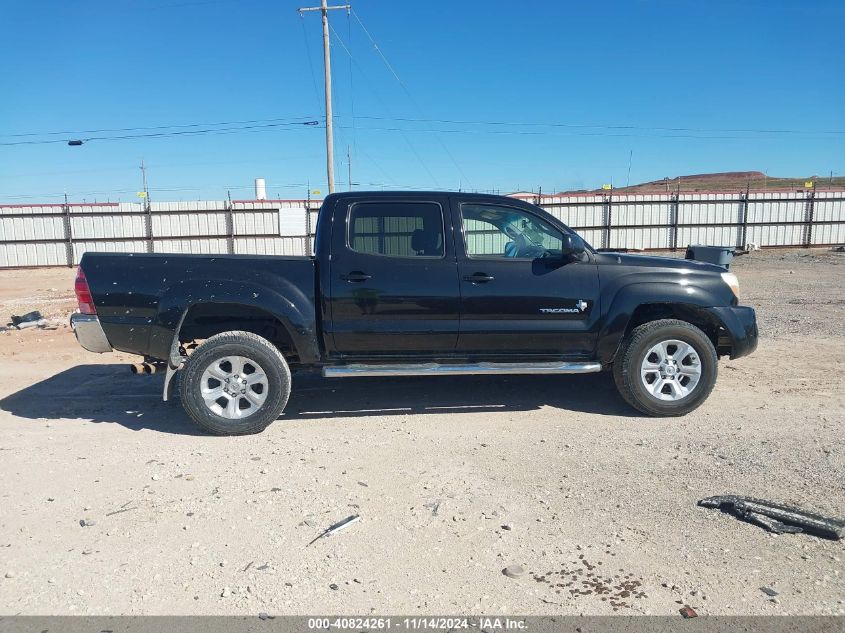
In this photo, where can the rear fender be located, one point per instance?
(287, 303)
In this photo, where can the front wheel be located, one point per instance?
(235, 383)
(666, 368)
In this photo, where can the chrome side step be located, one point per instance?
(438, 369)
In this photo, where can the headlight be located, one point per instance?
(733, 283)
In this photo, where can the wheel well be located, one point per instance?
(699, 318)
(204, 320)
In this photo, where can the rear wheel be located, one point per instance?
(235, 383)
(666, 368)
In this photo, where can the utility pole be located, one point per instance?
(148, 218)
(324, 8)
(349, 168)
(144, 180)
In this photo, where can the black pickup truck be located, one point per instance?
(413, 284)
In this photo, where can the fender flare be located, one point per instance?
(285, 302)
(690, 297)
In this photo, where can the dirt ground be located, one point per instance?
(455, 479)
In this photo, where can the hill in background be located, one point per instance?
(726, 181)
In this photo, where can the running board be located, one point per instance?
(438, 369)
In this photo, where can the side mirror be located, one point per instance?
(572, 245)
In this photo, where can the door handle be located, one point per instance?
(356, 276)
(479, 278)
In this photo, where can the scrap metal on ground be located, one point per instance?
(775, 517)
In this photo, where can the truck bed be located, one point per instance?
(140, 298)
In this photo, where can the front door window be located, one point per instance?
(493, 232)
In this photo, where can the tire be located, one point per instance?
(650, 353)
(246, 370)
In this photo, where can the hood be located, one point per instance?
(655, 261)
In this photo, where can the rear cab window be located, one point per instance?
(396, 229)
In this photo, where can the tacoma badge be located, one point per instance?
(580, 306)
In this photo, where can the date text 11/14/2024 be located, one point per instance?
(417, 623)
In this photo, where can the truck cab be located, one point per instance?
(439, 275)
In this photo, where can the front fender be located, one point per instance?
(285, 301)
(686, 296)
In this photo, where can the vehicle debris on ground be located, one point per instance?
(337, 527)
(775, 517)
(28, 320)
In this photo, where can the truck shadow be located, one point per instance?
(317, 397)
(101, 393)
(110, 394)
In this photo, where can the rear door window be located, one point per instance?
(396, 229)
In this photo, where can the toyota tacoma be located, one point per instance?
(415, 284)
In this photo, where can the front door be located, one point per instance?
(519, 296)
(394, 278)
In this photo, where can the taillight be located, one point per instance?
(83, 293)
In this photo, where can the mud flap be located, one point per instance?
(167, 392)
(175, 361)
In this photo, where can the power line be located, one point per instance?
(376, 163)
(378, 50)
(208, 131)
(189, 188)
(324, 9)
(353, 60)
(298, 119)
(407, 92)
(310, 61)
(600, 126)
(351, 98)
(634, 132)
(183, 4)
(376, 94)
(306, 119)
(604, 134)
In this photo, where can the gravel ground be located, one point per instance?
(798, 292)
(112, 503)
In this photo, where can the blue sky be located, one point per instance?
(494, 94)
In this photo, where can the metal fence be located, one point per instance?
(58, 234)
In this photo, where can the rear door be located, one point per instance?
(394, 278)
(515, 299)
